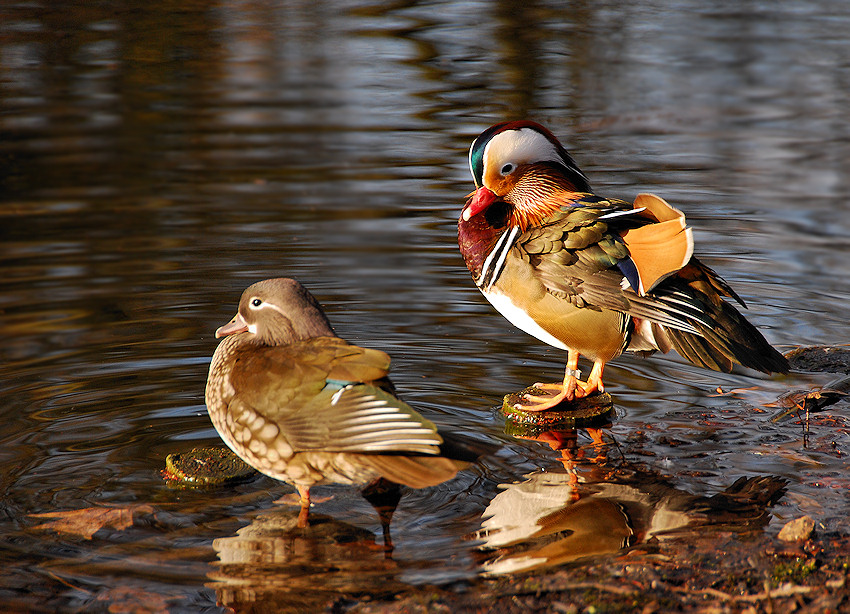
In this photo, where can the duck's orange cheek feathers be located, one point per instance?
(481, 199)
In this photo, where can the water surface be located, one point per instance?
(157, 158)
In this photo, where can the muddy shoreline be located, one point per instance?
(698, 573)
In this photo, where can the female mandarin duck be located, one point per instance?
(590, 275)
(301, 405)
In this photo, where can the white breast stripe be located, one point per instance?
(500, 264)
(489, 260)
(490, 272)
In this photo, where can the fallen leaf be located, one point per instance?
(129, 600)
(806, 401)
(89, 520)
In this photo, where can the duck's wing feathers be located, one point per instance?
(361, 418)
(573, 250)
(639, 260)
(276, 379)
(320, 395)
(600, 253)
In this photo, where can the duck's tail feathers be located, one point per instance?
(704, 328)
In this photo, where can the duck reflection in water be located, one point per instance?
(273, 566)
(595, 507)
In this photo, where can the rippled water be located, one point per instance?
(156, 158)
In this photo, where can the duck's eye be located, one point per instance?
(507, 169)
(256, 302)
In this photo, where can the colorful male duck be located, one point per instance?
(591, 275)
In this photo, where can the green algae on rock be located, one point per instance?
(206, 467)
(595, 410)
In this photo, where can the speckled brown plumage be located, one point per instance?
(301, 405)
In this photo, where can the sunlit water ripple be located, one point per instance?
(156, 162)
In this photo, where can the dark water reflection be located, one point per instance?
(600, 503)
(157, 158)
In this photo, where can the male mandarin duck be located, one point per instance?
(303, 406)
(591, 275)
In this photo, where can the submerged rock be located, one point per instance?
(595, 410)
(206, 467)
(820, 358)
(798, 530)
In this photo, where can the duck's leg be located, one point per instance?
(594, 380)
(384, 497)
(303, 515)
(566, 391)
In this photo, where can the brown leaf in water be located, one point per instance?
(89, 520)
(805, 401)
(813, 400)
(129, 600)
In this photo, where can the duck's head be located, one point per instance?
(520, 163)
(278, 312)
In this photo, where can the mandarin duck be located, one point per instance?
(303, 406)
(590, 275)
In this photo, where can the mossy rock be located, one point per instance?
(820, 358)
(206, 467)
(595, 410)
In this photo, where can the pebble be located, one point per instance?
(797, 530)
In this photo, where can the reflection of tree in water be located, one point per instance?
(595, 506)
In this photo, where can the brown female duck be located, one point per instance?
(301, 405)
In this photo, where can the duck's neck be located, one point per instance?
(478, 236)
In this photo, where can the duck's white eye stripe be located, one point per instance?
(524, 146)
(265, 305)
(258, 304)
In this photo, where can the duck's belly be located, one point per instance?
(559, 323)
(521, 319)
(312, 468)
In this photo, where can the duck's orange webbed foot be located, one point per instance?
(572, 388)
(566, 391)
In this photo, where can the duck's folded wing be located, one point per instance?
(281, 379)
(579, 254)
(583, 254)
(359, 418)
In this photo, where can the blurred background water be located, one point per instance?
(158, 157)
